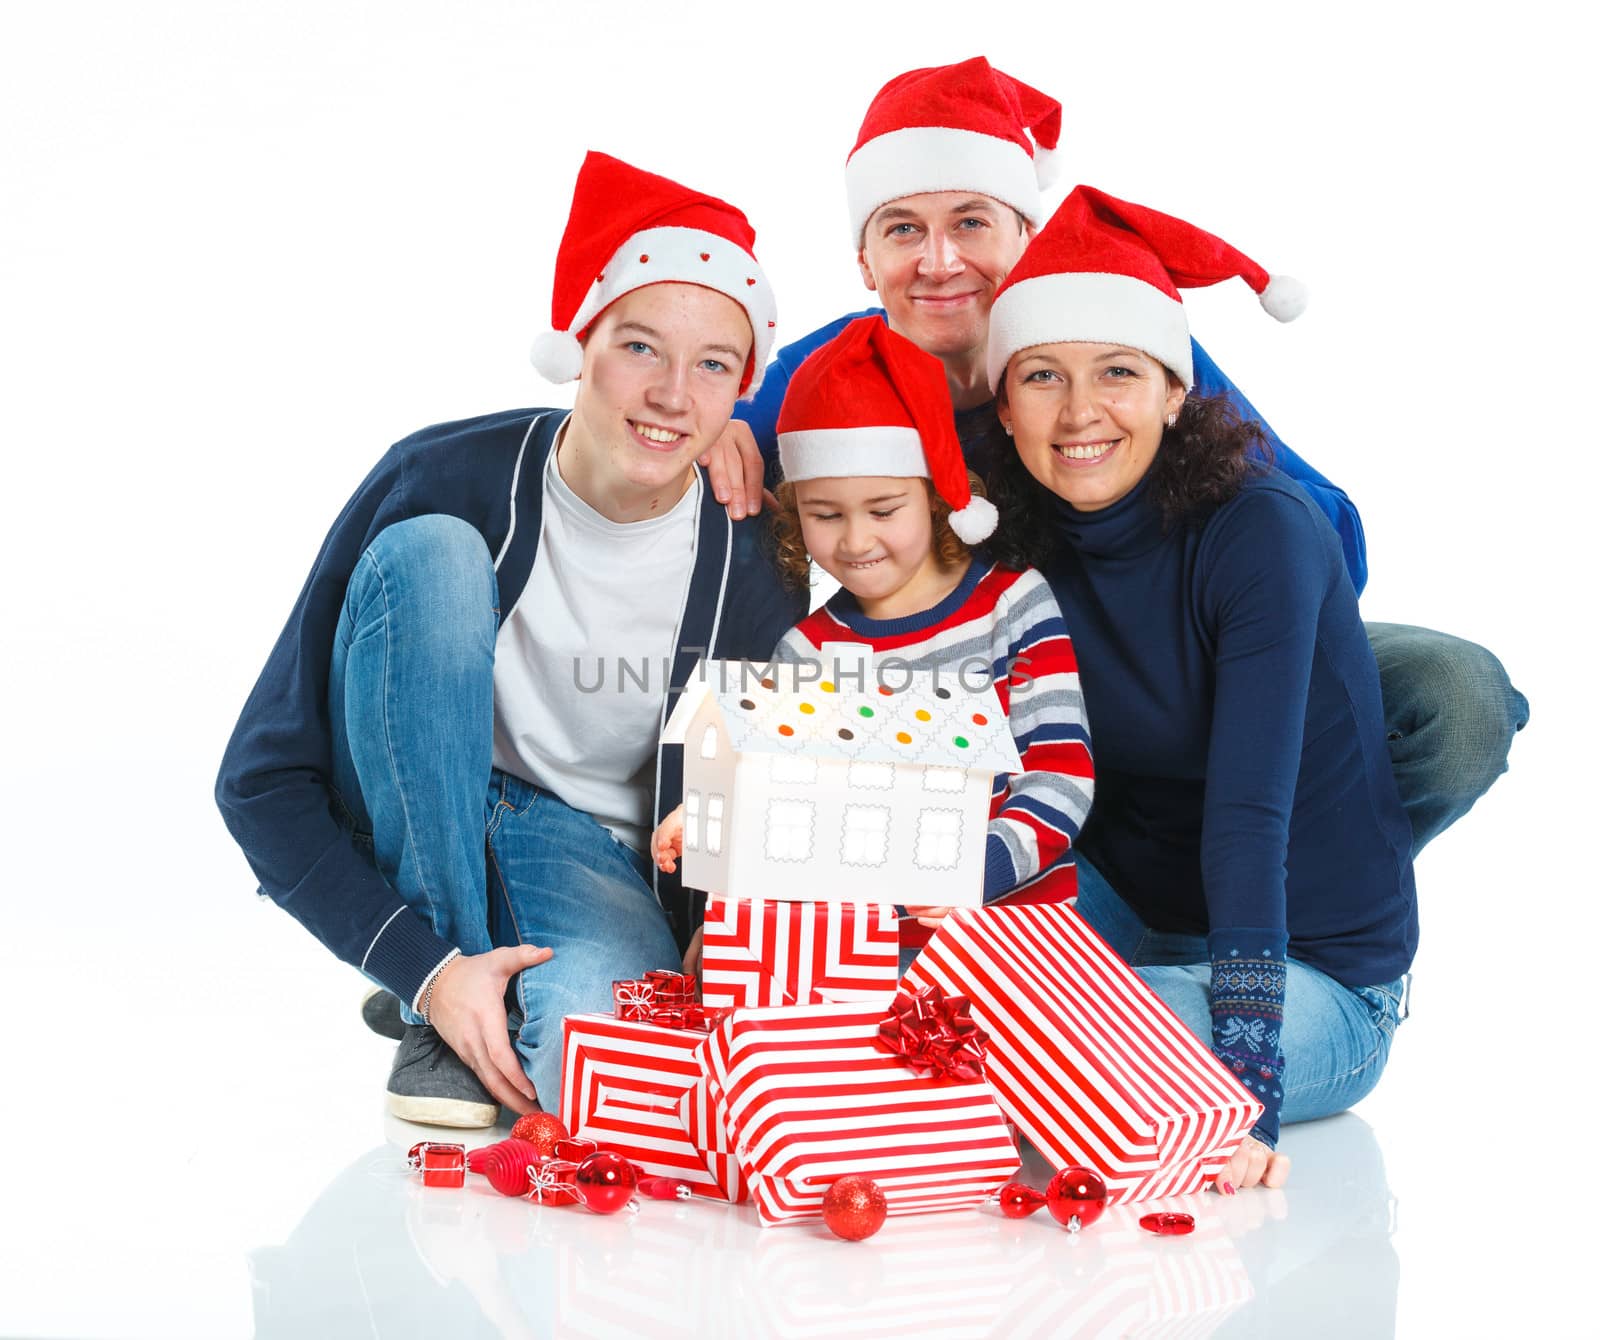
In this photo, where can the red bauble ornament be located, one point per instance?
(1168, 1223)
(605, 1182)
(1076, 1197)
(1018, 1200)
(664, 1188)
(505, 1163)
(542, 1130)
(854, 1208)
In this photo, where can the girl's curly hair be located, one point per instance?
(1202, 462)
(789, 546)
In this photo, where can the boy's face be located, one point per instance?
(661, 373)
(935, 261)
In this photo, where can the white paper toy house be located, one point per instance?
(839, 781)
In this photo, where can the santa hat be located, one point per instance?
(869, 402)
(964, 127)
(630, 228)
(1106, 272)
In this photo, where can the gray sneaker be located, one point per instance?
(429, 1083)
(380, 1011)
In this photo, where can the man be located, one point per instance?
(448, 769)
(943, 188)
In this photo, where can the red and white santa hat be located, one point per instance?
(629, 228)
(870, 402)
(1106, 272)
(964, 127)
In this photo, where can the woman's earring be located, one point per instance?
(1007, 427)
(1172, 420)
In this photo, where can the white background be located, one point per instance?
(246, 246)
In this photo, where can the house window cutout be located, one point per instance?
(708, 743)
(691, 821)
(789, 829)
(938, 840)
(714, 803)
(944, 779)
(793, 768)
(866, 835)
(871, 776)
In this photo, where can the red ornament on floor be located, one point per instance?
(605, 1182)
(854, 1208)
(505, 1163)
(664, 1188)
(1167, 1223)
(1018, 1200)
(542, 1130)
(440, 1164)
(1076, 1197)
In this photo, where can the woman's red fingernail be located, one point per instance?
(1227, 1188)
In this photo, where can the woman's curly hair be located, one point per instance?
(1202, 462)
(789, 546)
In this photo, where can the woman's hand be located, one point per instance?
(734, 463)
(1253, 1163)
(666, 843)
(929, 916)
(692, 955)
(469, 1010)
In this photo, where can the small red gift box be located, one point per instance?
(809, 1094)
(439, 1163)
(781, 953)
(1087, 1060)
(637, 1088)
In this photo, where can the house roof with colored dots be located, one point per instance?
(890, 715)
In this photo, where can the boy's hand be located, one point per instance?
(928, 916)
(469, 1010)
(666, 843)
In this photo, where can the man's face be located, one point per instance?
(935, 261)
(661, 372)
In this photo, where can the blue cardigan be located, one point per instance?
(761, 413)
(274, 786)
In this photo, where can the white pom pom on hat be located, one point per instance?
(1047, 167)
(1284, 297)
(557, 356)
(975, 523)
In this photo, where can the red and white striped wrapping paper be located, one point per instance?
(1083, 1056)
(809, 1097)
(639, 1089)
(761, 952)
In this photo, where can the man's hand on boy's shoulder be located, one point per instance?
(734, 463)
(468, 1008)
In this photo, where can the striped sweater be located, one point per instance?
(1010, 621)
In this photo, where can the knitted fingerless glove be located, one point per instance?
(1248, 974)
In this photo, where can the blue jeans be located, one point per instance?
(1450, 712)
(1335, 1039)
(488, 859)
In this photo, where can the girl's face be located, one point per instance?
(1088, 418)
(874, 536)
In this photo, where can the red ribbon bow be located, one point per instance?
(934, 1034)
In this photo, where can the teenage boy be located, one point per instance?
(449, 769)
(944, 194)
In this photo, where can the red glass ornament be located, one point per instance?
(440, 1164)
(854, 1208)
(542, 1130)
(664, 1188)
(605, 1182)
(1076, 1197)
(505, 1163)
(1168, 1223)
(1018, 1200)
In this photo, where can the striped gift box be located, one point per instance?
(1084, 1057)
(639, 1089)
(808, 1097)
(781, 953)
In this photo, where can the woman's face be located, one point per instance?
(1087, 418)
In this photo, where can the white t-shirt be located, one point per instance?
(582, 663)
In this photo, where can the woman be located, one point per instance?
(1247, 850)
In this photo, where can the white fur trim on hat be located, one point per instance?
(1284, 297)
(686, 256)
(975, 522)
(938, 158)
(1046, 167)
(1094, 308)
(557, 356)
(848, 453)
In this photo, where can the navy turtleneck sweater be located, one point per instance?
(1243, 788)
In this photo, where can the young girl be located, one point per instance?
(876, 492)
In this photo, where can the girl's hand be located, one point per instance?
(928, 916)
(666, 843)
(1253, 1163)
